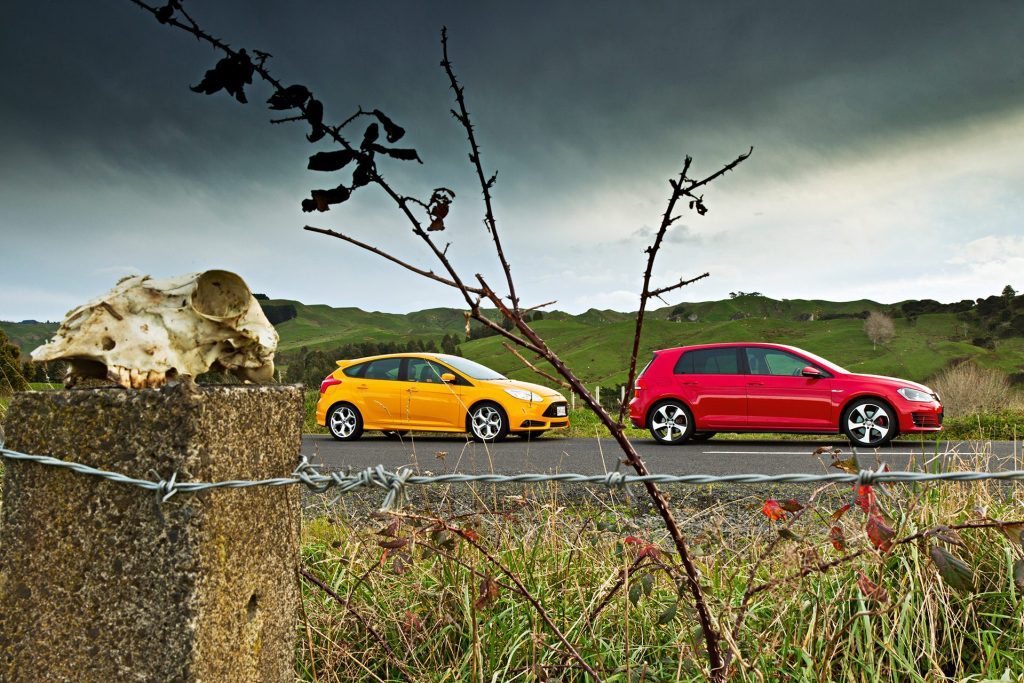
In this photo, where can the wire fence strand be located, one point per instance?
(394, 483)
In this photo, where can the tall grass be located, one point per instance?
(430, 618)
(969, 389)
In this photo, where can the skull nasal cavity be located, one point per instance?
(108, 344)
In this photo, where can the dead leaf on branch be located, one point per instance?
(392, 130)
(231, 74)
(331, 161)
(489, 592)
(870, 589)
(289, 98)
(954, 571)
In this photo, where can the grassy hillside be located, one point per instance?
(597, 343)
(919, 350)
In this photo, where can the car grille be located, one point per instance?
(927, 419)
(552, 410)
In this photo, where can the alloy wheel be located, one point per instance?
(868, 423)
(343, 422)
(486, 423)
(669, 422)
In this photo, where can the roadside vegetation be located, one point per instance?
(415, 594)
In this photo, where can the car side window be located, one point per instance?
(724, 361)
(385, 368)
(763, 361)
(423, 370)
(355, 370)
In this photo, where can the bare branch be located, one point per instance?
(419, 271)
(485, 184)
(534, 367)
(681, 283)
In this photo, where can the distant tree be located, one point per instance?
(879, 328)
(11, 379)
(449, 344)
(1008, 293)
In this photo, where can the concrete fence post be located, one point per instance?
(100, 582)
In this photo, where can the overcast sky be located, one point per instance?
(888, 148)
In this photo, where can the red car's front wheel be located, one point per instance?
(870, 423)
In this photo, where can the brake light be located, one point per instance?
(329, 381)
(638, 386)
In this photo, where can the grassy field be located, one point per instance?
(596, 343)
(441, 603)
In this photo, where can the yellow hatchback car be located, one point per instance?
(434, 392)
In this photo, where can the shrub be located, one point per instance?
(967, 388)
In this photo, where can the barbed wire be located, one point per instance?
(394, 483)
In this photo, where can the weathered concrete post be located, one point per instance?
(100, 583)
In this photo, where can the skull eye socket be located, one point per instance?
(108, 344)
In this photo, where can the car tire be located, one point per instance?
(531, 436)
(344, 422)
(869, 422)
(487, 422)
(702, 436)
(395, 433)
(670, 423)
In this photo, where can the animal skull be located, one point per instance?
(146, 332)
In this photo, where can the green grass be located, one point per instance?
(427, 608)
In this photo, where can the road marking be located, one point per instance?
(801, 452)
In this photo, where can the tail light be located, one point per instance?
(638, 386)
(328, 382)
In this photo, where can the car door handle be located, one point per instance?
(755, 384)
(363, 386)
(412, 390)
(688, 384)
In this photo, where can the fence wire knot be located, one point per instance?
(165, 488)
(615, 480)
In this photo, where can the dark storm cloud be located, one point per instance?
(576, 103)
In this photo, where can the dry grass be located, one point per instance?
(968, 389)
(428, 608)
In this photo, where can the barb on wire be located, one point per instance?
(395, 483)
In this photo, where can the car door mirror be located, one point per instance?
(813, 373)
(448, 378)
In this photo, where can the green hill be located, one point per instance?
(596, 343)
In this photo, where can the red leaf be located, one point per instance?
(470, 535)
(880, 533)
(871, 590)
(840, 512)
(394, 544)
(644, 549)
(865, 499)
(835, 534)
(772, 510)
(791, 505)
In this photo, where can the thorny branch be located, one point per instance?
(533, 367)
(683, 187)
(372, 631)
(475, 296)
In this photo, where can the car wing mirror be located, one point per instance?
(814, 373)
(447, 378)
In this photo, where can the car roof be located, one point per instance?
(344, 363)
(719, 345)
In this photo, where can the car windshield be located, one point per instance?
(828, 365)
(469, 368)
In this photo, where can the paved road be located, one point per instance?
(441, 454)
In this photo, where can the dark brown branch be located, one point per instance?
(485, 184)
(383, 254)
(680, 189)
(712, 638)
(681, 283)
(372, 631)
(534, 367)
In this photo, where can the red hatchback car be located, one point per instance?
(692, 392)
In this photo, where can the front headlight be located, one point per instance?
(524, 395)
(915, 395)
